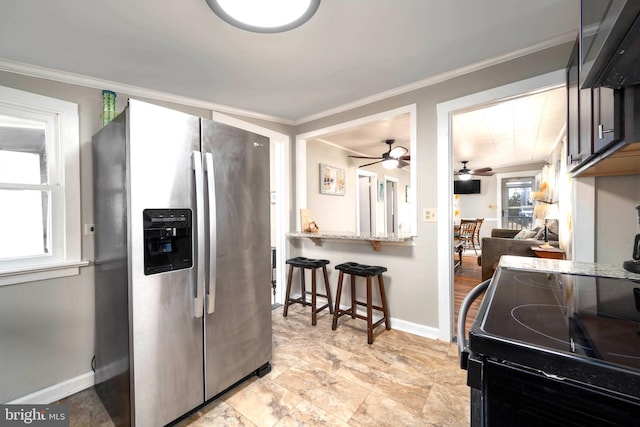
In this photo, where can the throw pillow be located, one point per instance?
(524, 234)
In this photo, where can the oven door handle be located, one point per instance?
(463, 349)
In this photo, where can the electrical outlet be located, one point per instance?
(430, 215)
(89, 229)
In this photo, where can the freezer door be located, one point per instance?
(166, 344)
(238, 309)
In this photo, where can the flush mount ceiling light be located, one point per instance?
(265, 16)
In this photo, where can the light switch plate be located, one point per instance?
(430, 215)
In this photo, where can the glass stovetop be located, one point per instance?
(589, 317)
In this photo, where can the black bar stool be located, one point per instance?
(312, 264)
(367, 271)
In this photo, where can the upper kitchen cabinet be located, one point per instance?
(607, 123)
(603, 78)
(579, 114)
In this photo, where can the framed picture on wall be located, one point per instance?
(381, 191)
(331, 180)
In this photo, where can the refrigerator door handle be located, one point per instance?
(211, 194)
(198, 302)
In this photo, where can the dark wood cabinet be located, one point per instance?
(580, 123)
(607, 126)
(573, 109)
(595, 118)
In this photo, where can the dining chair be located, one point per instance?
(476, 233)
(467, 233)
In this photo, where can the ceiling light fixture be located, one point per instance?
(464, 176)
(265, 16)
(390, 163)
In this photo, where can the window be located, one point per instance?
(518, 211)
(39, 187)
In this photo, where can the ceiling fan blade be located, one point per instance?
(402, 163)
(481, 170)
(364, 157)
(482, 173)
(369, 164)
(407, 158)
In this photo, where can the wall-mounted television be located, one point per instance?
(471, 186)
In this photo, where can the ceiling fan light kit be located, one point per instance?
(395, 157)
(390, 163)
(265, 16)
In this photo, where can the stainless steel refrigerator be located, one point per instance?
(182, 262)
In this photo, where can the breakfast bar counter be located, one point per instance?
(375, 240)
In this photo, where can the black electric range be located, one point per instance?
(548, 348)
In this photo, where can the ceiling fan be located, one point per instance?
(465, 173)
(395, 157)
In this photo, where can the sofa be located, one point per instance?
(503, 241)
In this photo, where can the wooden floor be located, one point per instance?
(466, 277)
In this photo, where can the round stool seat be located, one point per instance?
(360, 269)
(307, 262)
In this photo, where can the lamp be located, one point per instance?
(265, 16)
(551, 212)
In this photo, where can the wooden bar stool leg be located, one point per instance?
(327, 288)
(303, 288)
(369, 312)
(288, 294)
(383, 300)
(336, 312)
(353, 296)
(313, 297)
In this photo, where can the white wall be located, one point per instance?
(483, 205)
(330, 212)
(616, 219)
(338, 213)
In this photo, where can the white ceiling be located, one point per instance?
(349, 52)
(513, 132)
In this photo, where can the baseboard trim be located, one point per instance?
(57, 391)
(415, 328)
(402, 325)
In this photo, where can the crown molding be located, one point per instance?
(96, 83)
(569, 36)
(81, 80)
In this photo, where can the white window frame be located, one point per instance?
(63, 125)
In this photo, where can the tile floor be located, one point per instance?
(322, 377)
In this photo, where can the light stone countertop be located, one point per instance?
(375, 239)
(567, 267)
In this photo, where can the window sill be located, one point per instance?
(44, 272)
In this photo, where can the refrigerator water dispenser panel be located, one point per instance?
(167, 240)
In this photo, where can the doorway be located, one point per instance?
(391, 205)
(517, 211)
(366, 195)
(444, 175)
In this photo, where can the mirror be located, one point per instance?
(347, 186)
